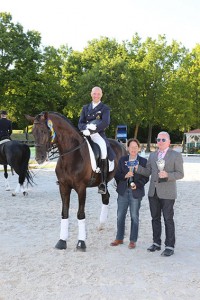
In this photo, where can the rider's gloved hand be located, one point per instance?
(91, 126)
(86, 132)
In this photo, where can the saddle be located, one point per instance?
(96, 150)
(5, 138)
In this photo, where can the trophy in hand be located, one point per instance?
(131, 165)
(161, 165)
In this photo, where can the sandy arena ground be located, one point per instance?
(31, 268)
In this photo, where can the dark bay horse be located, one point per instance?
(16, 155)
(73, 169)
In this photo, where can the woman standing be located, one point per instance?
(130, 189)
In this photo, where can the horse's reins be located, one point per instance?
(68, 151)
(65, 153)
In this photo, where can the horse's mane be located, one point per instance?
(64, 118)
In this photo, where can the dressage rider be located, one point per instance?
(5, 126)
(94, 119)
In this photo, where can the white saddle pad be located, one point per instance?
(4, 141)
(93, 160)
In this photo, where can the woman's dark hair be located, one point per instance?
(133, 140)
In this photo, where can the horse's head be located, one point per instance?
(42, 135)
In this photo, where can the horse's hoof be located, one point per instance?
(13, 194)
(25, 193)
(61, 245)
(81, 246)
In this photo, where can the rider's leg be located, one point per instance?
(104, 162)
(104, 176)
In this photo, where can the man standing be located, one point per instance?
(94, 119)
(165, 167)
(5, 126)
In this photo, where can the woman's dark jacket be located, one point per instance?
(122, 182)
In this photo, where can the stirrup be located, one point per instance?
(102, 188)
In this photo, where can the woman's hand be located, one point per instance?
(129, 174)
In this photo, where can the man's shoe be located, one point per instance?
(116, 243)
(167, 252)
(154, 248)
(132, 245)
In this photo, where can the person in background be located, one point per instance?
(94, 119)
(5, 126)
(165, 167)
(130, 189)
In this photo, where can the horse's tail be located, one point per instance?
(29, 177)
(25, 164)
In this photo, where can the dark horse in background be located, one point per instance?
(73, 169)
(16, 155)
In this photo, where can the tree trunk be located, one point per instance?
(136, 130)
(149, 138)
(183, 142)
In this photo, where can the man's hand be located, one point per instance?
(163, 174)
(86, 132)
(91, 126)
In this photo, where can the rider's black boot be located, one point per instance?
(104, 174)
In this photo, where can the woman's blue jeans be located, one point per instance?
(124, 202)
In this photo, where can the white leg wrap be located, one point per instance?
(104, 214)
(64, 232)
(81, 230)
(18, 189)
(7, 185)
(22, 189)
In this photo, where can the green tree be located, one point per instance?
(19, 67)
(153, 62)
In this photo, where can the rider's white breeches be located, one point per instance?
(101, 142)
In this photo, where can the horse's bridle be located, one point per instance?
(65, 152)
(54, 146)
(36, 121)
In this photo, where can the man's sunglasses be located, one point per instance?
(161, 140)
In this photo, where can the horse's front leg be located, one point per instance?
(81, 246)
(64, 226)
(104, 210)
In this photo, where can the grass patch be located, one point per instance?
(23, 137)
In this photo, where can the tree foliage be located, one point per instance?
(147, 84)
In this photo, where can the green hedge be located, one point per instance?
(22, 137)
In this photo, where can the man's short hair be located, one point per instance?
(166, 133)
(3, 112)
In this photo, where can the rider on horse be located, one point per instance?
(94, 119)
(5, 126)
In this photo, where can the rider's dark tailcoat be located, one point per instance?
(100, 115)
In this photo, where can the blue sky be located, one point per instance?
(75, 22)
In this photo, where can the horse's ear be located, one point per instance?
(29, 118)
(46, 115)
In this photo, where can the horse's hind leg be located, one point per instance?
(20, 186)
(7, 185)
(20, 189)
(104, 210)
